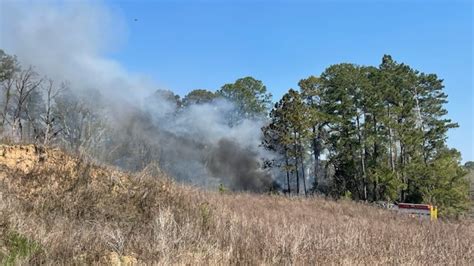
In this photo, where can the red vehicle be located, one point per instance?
(420, 210)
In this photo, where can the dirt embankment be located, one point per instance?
(70, 207)
(21, 158)
(51, 170)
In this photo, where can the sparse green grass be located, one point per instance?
(18, 248)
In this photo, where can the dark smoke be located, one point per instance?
(238, 166)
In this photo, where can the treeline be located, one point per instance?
(361, 132)
(381, 131)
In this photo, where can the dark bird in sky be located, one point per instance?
(136, 19)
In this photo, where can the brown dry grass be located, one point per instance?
(79, 213)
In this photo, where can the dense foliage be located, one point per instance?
(381, 129)
(365, 132)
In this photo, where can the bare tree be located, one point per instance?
(49, 118)
(25, 83)
(81, 125)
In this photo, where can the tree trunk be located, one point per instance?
(303, 170)
(297, 176)
(390, 132)
(17, 128)
(287, 166)
(362, 158)
(296, 164)
(316, 153)
(375, 155)
(47, 121)
(404, 178)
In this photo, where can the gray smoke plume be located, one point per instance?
(67, 40)
(238, 166)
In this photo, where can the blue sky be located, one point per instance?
(185, 45)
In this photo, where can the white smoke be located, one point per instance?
(209, 124)
(69, 40)
(66, 40)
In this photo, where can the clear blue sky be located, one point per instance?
(186, 45)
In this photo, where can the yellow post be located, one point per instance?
(433, 213)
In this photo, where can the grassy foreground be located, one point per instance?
(56, 209)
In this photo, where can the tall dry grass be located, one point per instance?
(80, 213)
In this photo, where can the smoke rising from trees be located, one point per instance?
(366, 132)
(133, 125)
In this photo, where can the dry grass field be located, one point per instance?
(56, 209)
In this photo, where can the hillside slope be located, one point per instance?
(58, 209)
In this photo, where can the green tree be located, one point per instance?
(469, 165)
(199, 97)
(382, 130)
(343, 101)
(430, 99)
(441, 182)
(415, 119)
(296, 115)
(277, 138)
(288, 133)
(250, 97)
(311, 93)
